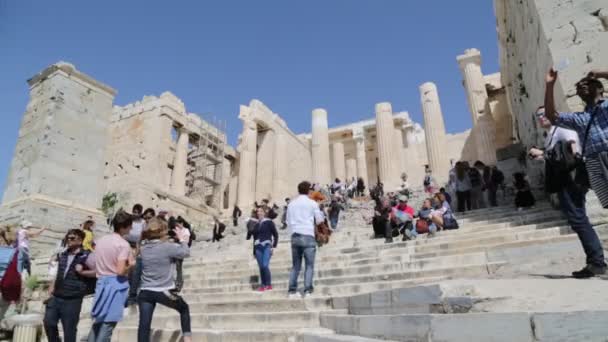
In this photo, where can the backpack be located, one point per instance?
(10, 285)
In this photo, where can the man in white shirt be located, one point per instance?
(303, 214)
(572, 198)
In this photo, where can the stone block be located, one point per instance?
(486, 327)
(588, 326)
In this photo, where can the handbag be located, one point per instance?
(322, 233)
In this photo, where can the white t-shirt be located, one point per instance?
(557, 134)
(302, 214)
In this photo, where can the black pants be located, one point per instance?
(68, 312)
(574, 207)
(179, 276)
(464, 199)
(147, 303)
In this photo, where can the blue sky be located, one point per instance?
(343, 55)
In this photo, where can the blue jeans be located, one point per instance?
(134, 280)
(147, 303)
(302, 246)
(573, 206)
(68, 312)
(101, 332)
(262, 255)
(333, 221)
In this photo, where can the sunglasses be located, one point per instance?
(71, 238)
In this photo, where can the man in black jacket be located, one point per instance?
(218, 229)
(74, 280)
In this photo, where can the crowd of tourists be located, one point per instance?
(138, 263)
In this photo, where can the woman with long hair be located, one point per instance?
(158, 254)
(265, 240)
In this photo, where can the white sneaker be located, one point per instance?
(307, 294)
(295, 295)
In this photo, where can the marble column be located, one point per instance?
(434, 130)
(351, 169)
(359, 137)
(180, 162)
(474, 84)
(279, 186)
(265, 165)
(321, 171)
(339, 163)
(399, 146)
(247, 162)
(414, 165)
(477, 95)
(385, 141)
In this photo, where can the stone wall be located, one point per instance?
(537, 34)
(60, 147)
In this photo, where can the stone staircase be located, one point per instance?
(366, 290)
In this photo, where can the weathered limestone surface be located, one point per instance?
(537, 34)
(178, 177)
(434, 129)
(60, 148)
(320, 147)
(56, 175)
(265, 164)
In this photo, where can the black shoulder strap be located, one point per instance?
(587, 130)
(552, 136)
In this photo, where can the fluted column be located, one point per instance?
(279, 186)
(385, 141)
(474, 84)
(485, 137)
(180, 162)
(434, 130)
(339, 163)
(359, 137)
(247, 162)
(265, 165)
(351, 169)
(399, 146)
(321, 171)
(477, 95)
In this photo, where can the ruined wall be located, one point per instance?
(141, 153)
(537, 34)
(62, 138)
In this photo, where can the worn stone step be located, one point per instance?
(394, 264)
(320, 291)
(282, 285)
(236, 320)
(496, 327)
(253, 334)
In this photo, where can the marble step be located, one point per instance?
(254, 334)
(393, 264)
(474, 269)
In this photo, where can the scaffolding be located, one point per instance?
(206, 158)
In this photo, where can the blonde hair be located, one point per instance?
(155, 229)
(9, 234)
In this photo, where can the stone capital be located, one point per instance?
(383, 107)
(469, 56)
(358, 134)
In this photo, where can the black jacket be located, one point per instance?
(72, 285)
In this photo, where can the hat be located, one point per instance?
(402, 198)
(25, 224)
